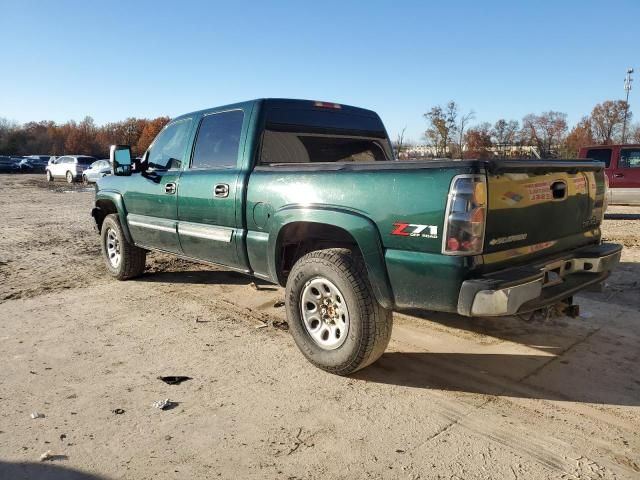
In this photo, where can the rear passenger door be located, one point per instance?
(210, 196)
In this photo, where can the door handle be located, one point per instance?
(170, 188)
(221, 190)
(618, 175)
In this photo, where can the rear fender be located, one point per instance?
(361, 228)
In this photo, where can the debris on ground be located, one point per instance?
(254, 286)
(165, 404)
(280, 325)
(46, 456)
(278, 304)
(586, 315)
(118, 411)
(35, 415)
(262, 325)
(63, 436)
(174, 379)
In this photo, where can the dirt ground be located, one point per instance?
(452, 398)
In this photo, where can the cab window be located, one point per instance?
(629, 158)
(218, 140)
(600, 154)
(168, 149)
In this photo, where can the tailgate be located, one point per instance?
(536, 208)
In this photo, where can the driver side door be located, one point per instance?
(151, 196)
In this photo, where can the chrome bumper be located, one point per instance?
(528, 288)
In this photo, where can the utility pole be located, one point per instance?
(627, 87)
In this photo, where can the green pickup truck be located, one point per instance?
(308, 195)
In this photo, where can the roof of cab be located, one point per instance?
(281, 103)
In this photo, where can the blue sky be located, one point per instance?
(111, 60)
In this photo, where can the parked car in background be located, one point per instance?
(96, 170)
(622, 169)
(69, 167)
(8, 165)
(34, 163)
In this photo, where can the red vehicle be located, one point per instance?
(622, 168)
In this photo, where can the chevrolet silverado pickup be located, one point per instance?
(308, 195)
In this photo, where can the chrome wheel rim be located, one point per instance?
(324, 313)
(113, 248)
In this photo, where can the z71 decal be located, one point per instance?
(414, 230)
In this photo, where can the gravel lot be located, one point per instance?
(453, 398)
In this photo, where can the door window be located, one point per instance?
(167, 150)
(629, 158)
(600, 154)
(218, 140)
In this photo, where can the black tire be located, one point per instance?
(70, 178)
(84, 180)
(370, 324)
(49, 176)
(132, 259)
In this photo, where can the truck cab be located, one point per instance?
(622, 167)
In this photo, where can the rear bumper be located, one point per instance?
(524, 289)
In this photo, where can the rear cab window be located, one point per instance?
(300, 133)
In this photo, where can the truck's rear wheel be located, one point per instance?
(123, 259)
(333, 315)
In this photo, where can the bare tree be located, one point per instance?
(462, 125)
(544, 131)
(504, 134)
(400, 142)
(607, 119)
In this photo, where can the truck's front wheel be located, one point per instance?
(334, 317)
(123, 259)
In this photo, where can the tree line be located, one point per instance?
(450, 133)
(81, 138)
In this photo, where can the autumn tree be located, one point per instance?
(607, 119)
(544, 131)
(443, 127)
(505, 134)
(149, 132)
(461, 127)
(579, 136)
(478, 141)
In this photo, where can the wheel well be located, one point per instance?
(103, 208)
(299, 238)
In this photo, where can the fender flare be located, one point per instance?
(118, 202)
(360, 227)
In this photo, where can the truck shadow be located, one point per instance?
(42, 471)
(622, 216)
(577, 362)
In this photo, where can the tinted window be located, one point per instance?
(297, 147)
(85, 160)
(630, 158)
(600, 154)
(167, 150)
(218, 140)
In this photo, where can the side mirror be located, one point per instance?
(120, 158)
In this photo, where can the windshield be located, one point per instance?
(305, 147)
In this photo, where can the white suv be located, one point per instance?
(69, 167)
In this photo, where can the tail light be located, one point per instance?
(465, 216)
